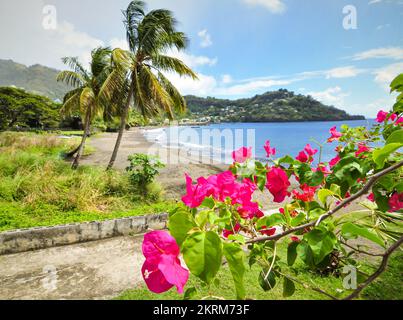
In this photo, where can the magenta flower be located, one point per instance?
(195, 194)
(335, 135)
(362, 148)
(381, 116)
(371, 197)
(307, 195)
(270, 151)
(226, 233)
(334, 161)
(396, 202)
(242, 154)
(277, 184)
(302, 157)
(310, 152)
(162, 269)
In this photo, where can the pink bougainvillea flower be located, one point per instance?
(226, 233)
(399, 121)
(302, 157)
(295, 239)
(222, 185)
(381, 116)
(250, 210)
(242, 154)
(322, 167)
(393, 116)
(396, 202)
(162, 269)
(335, 135)
(267, 232)
(334, 161)
(310, 152)
(371, 197)
(277, 184)
(269, 151)
(195, 194)
(281, 210)
(307, 195)
(362, 148)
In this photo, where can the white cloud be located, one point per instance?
(252, 87)
(383, 26)
(385, 75)
(374, 1)
(205, 86)
(395, 53)
(342, 72)
(65, 40)
(332, 96)
(274, 6)
(192, 60)
(205, 38)
(119, 43)
(226, 78)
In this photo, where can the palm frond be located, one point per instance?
(177, 99)
(171, 64)
(132, 18)
(70, 78)
(71, 102)
(75, 64)
(87, 102)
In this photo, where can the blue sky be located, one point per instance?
(238, 47)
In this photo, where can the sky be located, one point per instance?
(343, 53)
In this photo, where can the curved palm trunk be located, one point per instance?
(122, 128)
(80, 149)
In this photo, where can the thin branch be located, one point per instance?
(339, 207)
(378, 272)
(306, 286)
(360, 251)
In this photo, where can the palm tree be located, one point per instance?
(139, 72)
(84, 98)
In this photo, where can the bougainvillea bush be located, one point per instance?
(220, 222)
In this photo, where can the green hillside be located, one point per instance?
(36, 78)
(274, 106)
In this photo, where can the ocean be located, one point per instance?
(217, 141)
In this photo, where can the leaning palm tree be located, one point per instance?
(84, 98)
(139, 72)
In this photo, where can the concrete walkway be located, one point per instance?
(93, 270)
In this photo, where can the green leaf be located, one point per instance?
(397, 83)
(298, 219)
(209, 203)
(380, 155)
(236, 261)
(202, 252)
(335, 189)
(395, 137)
(323, 194)
(237, 237)
(288, 287)
(267, 281)
(350, 230)
(292, 253)
(180, 223)
(190, 293)
(272, 220)
(321, 243)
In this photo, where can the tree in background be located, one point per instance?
(85, 97)
(138, 73)
(21, 109)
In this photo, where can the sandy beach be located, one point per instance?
(177, 161)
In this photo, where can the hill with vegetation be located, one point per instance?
(273, 106)
(35, 78)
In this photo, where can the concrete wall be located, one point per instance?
(45, 237)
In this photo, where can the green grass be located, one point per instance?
(387, 287)
(38, 187)
(14, 215)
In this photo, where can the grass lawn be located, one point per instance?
(388, 286)
(38, 187)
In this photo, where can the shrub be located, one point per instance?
(142, 171)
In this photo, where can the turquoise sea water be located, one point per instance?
(215, 140)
